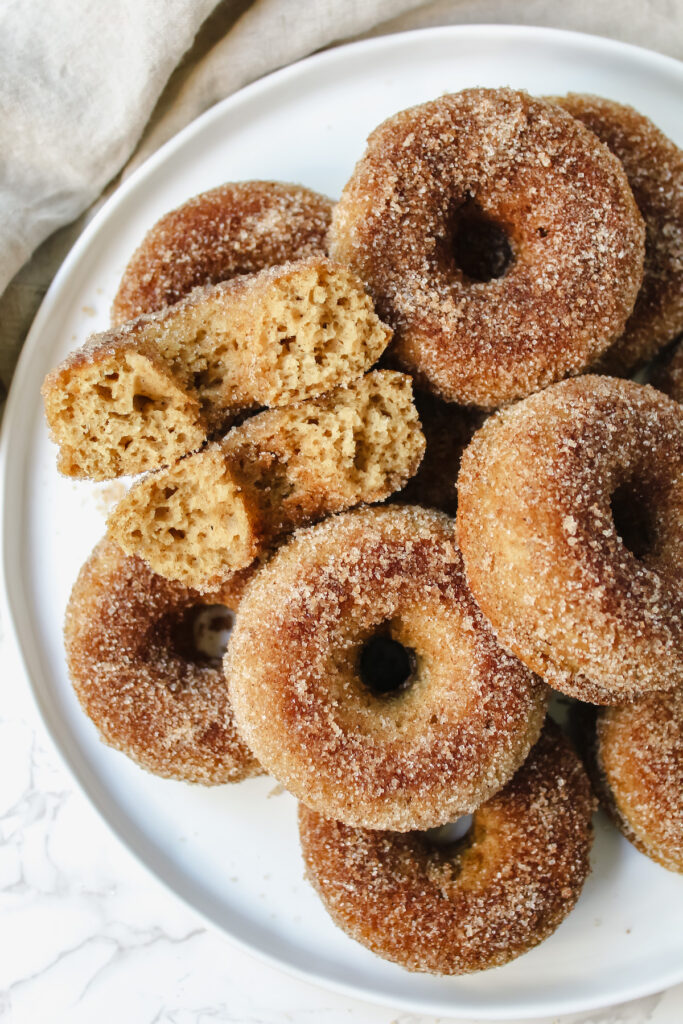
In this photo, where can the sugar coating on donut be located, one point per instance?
(138, 677)
(238, 228)
(211, 514)
(654, 168)
(570, 524)
(116, 408)
(562, 199)
(409, 759)
(668, 376)
(448, 430)
(636, 763)
(478, 904)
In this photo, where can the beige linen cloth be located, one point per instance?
(89, 89)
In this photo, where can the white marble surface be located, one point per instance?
(87, 935)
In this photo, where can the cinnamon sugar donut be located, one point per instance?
(237, 228)
(364, 677)
(139, 678)
(479, 903)
(571, 527)
(498, 237)
(654, 168)
(635, 760)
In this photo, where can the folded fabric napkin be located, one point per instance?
(79, 81)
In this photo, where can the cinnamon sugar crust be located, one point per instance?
(634, 755)
(409, 759)
(573, 229)
(238, 228)
(571, 527)
(654, 168)
(478, 904)
(128, 637)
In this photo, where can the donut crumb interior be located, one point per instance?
(213, 512)
(139, 396)
(119, 412)
(285, 334)
(188, 521)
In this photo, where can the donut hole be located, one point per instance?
(633, 519)
(480, 246)
(452, 836)
(202, 635)
(385, 666)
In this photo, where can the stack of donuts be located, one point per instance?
(408, 575)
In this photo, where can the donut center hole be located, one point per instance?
(385, 666)
(633, 519)
(204, 633)
(480, 246)
(447, 837)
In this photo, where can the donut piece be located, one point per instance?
(448, 430)
(281, 336)
(364, 677)
(498, 237)
(654, 168)
(208, 516)
(571, 527)
(479, 903)
(635, 760)
(238, 228)
(114, 407)
(139, 678)
(668, 377)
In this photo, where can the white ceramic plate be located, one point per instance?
(232, 853)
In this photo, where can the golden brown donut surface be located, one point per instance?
(479, 903)
(549, 205)
(238, 228)
(654, 168)
(139, 678)
(571, 527)
(379, 580)
(635, 759)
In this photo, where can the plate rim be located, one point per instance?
(13, 593)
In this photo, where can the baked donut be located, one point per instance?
(364, 677)
(479, 902)
(571, 527)
(214, 511)
(136, 671)
(448, 430)
(140, 396)
(634, 755)
(654, 168)
(668, 376)
(498, 237)
(237, 228)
